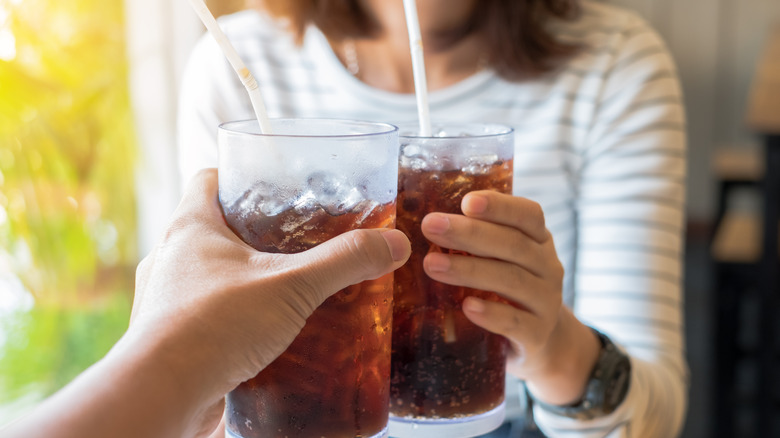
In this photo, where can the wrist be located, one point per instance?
(606, 388)
(131, 392)
(170, 376)
(155, 380)
(572, 352)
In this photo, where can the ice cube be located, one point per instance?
(480, 164)
(343, 205)
(413, 157)
(366, 208)
(334, 192)
(305, 208)
(265, 197)
(273, 207)
(413, 163)
(411, 150)
(305, 200)
(324, 185)
(280, 200)
(251, 199)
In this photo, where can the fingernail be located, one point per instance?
(436, 262)
(398, 244)
(436, 224)
(473, 305)
(477, 203)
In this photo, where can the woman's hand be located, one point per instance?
(515, 257)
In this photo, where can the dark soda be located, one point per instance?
(333, 379)
(443, 365)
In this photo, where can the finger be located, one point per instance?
(219, 431)
(351, 258)
(485, 239)
(142, 273)
(521, 213)
(506, 279)
(201, 197)
(517, 325)
(199, 206)
(212, 420)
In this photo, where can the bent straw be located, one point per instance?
(418, 67)
(235, 61)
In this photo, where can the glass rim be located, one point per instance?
(389, 128)
(502, 130)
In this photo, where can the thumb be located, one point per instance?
(353, 257)
(200, 198)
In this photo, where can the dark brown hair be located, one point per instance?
(518, 42)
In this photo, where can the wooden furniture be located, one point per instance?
(747, 265)
(764, 118)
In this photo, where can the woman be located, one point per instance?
(592, 237)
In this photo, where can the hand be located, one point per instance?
(224, 310)
(516, 258)
(209, 313)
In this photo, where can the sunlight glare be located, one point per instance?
(7, 45)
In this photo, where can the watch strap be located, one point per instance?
(606, 388)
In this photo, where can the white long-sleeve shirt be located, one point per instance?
(600, 144)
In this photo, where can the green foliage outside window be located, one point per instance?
(67, 210)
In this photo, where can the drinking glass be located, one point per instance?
(447, 373)
(309, 181)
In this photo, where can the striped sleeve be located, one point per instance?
(630, 214)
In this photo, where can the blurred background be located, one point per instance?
(88, 178)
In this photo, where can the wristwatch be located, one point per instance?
(606, 388)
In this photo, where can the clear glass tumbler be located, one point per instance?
(308, 182)
(447, 373)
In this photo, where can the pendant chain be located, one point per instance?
(351, 58)
(353, 64)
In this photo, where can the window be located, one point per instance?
(67, 207)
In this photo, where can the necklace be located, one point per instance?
(353, 64)
(350, 56)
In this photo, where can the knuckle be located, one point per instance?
(176, 227)
(519, 243)
(142, 270)
(304, 293)
(465, 266)
(206, 173)
(537, 214)
(310, 292)
(558, 271)
(471, 229)
(539, 338)
(199, 177)
(512, 324)
(518, 275)
(360, 245)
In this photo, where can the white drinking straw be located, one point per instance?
(235, 61)
(418, 67)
